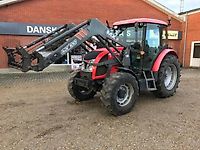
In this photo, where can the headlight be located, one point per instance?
(89, 68)
(89, 65)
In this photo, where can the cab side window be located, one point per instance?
(153, 36)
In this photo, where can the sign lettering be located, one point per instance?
(173, 35)
(69, 47)
(7, 28)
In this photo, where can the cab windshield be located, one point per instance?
(154, 37)
(130, 35)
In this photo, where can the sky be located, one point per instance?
(175, 4)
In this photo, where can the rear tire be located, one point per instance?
(168, 77)
(119, 93)
(77, 92)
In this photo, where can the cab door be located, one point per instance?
(133, 36)
(152, 44)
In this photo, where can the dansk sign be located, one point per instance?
(39, 29)
(7, 28)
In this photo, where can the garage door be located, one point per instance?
(195, 54)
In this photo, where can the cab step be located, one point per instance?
(150, 80)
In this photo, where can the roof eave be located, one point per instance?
(9, 2)
(164, 9)
(193, 11)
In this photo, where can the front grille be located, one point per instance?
(87, 75)
(101, 70)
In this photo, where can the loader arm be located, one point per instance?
(63, 40)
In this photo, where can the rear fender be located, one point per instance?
(160, 58)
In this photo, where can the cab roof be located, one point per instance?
(140, 20)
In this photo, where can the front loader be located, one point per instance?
(128, 58)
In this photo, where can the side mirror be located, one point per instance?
(107, 23)
(136, 26)
(169, 21)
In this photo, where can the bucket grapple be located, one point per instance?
(23, 57)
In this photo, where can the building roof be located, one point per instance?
(140, 20)
(163, 9)
(193, 11)
(8, 2)
(153, 3)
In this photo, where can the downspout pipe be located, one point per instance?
(185, 39)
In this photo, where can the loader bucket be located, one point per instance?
(18, 58)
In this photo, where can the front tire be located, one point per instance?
(119, 93)
(77, 92)
(168, 77)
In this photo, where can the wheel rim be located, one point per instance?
(124, 94)
(170, 77)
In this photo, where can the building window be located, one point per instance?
(196, 53)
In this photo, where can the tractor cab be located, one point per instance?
(145, 39)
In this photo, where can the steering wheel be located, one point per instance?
(136, 47)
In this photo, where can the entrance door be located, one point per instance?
(195, 54)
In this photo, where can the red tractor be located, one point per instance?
(130, 57)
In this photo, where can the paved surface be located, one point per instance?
(37, 112)
(49, 69)
(19, 79)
